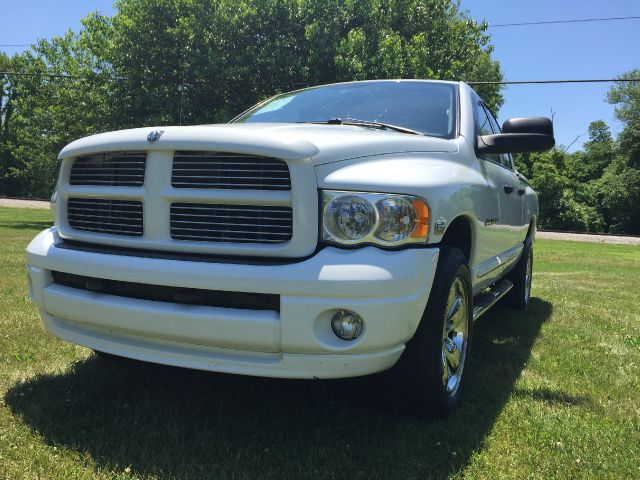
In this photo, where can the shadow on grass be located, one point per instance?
(171, 422)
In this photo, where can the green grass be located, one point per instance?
(552, 393)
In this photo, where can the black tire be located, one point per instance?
(421, 367)
(519, 296)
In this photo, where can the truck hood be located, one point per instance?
(289, 141)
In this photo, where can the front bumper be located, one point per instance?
(388, 289)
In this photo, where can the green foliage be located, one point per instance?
(617, 193)
(48, 112)
(594, 190)
(193, 62)
(626, 97)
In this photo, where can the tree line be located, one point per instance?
(159, 62)
(596, 189)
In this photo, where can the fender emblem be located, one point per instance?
(439, 226)
(154, 136)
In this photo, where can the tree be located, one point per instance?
(7, 100)
(618, 190)
(618, 197)
(206, 61)
(626, 97)
(190, 62)
(58, 95)
(599, 152)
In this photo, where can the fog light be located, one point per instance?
(347, 325)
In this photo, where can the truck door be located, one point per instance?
(499, 229)
(511, 192)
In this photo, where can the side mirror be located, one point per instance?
(519, 135)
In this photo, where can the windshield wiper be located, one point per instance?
(368, 123)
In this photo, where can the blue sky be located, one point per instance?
(563, 51)
(580, 50)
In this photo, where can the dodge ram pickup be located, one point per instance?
(333, 231)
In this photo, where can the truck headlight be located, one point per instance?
(359, 218)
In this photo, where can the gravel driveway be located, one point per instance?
(585, 237)
(14, 202)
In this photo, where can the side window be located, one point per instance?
(482, 120)
(505, 158)
(483, 124)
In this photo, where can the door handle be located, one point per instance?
(508, 189)
(521, 191)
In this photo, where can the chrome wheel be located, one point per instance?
(527, 278)
(455, 336)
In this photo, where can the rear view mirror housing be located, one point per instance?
(519, 135)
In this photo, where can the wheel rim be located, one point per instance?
(455, 336)
(527, 278)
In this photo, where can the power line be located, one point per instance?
(175, 80)
(199, 81)
(534, 82)
(555, 22)
(52, 75)
(497, 25)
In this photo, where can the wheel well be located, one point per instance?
(459, 235)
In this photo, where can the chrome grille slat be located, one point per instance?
(138, 164)
(270, 170)
(230, 223)
(228, 171)
(112, 169)
(132, 223)
(245, 208)
(72, 211)
(217, 217)
(248, 186)
(104, 174)
(117, 217)
(224, 231)
(110, 183)
(231, 177)
(201, 238)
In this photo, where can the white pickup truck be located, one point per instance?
(334, 231)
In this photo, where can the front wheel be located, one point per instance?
(434, 361)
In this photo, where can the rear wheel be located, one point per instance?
(521, 276)
(433, 364)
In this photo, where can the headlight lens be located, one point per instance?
(398, 218)
(349, 218)
(354, 218)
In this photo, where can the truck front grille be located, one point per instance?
(109, 169)
(230, 223)
(229, 171)
(197, 202)
(117, 217)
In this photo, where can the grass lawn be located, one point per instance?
(552, 393)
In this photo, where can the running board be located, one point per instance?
(486, 300)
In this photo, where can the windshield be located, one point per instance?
(429, 108)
